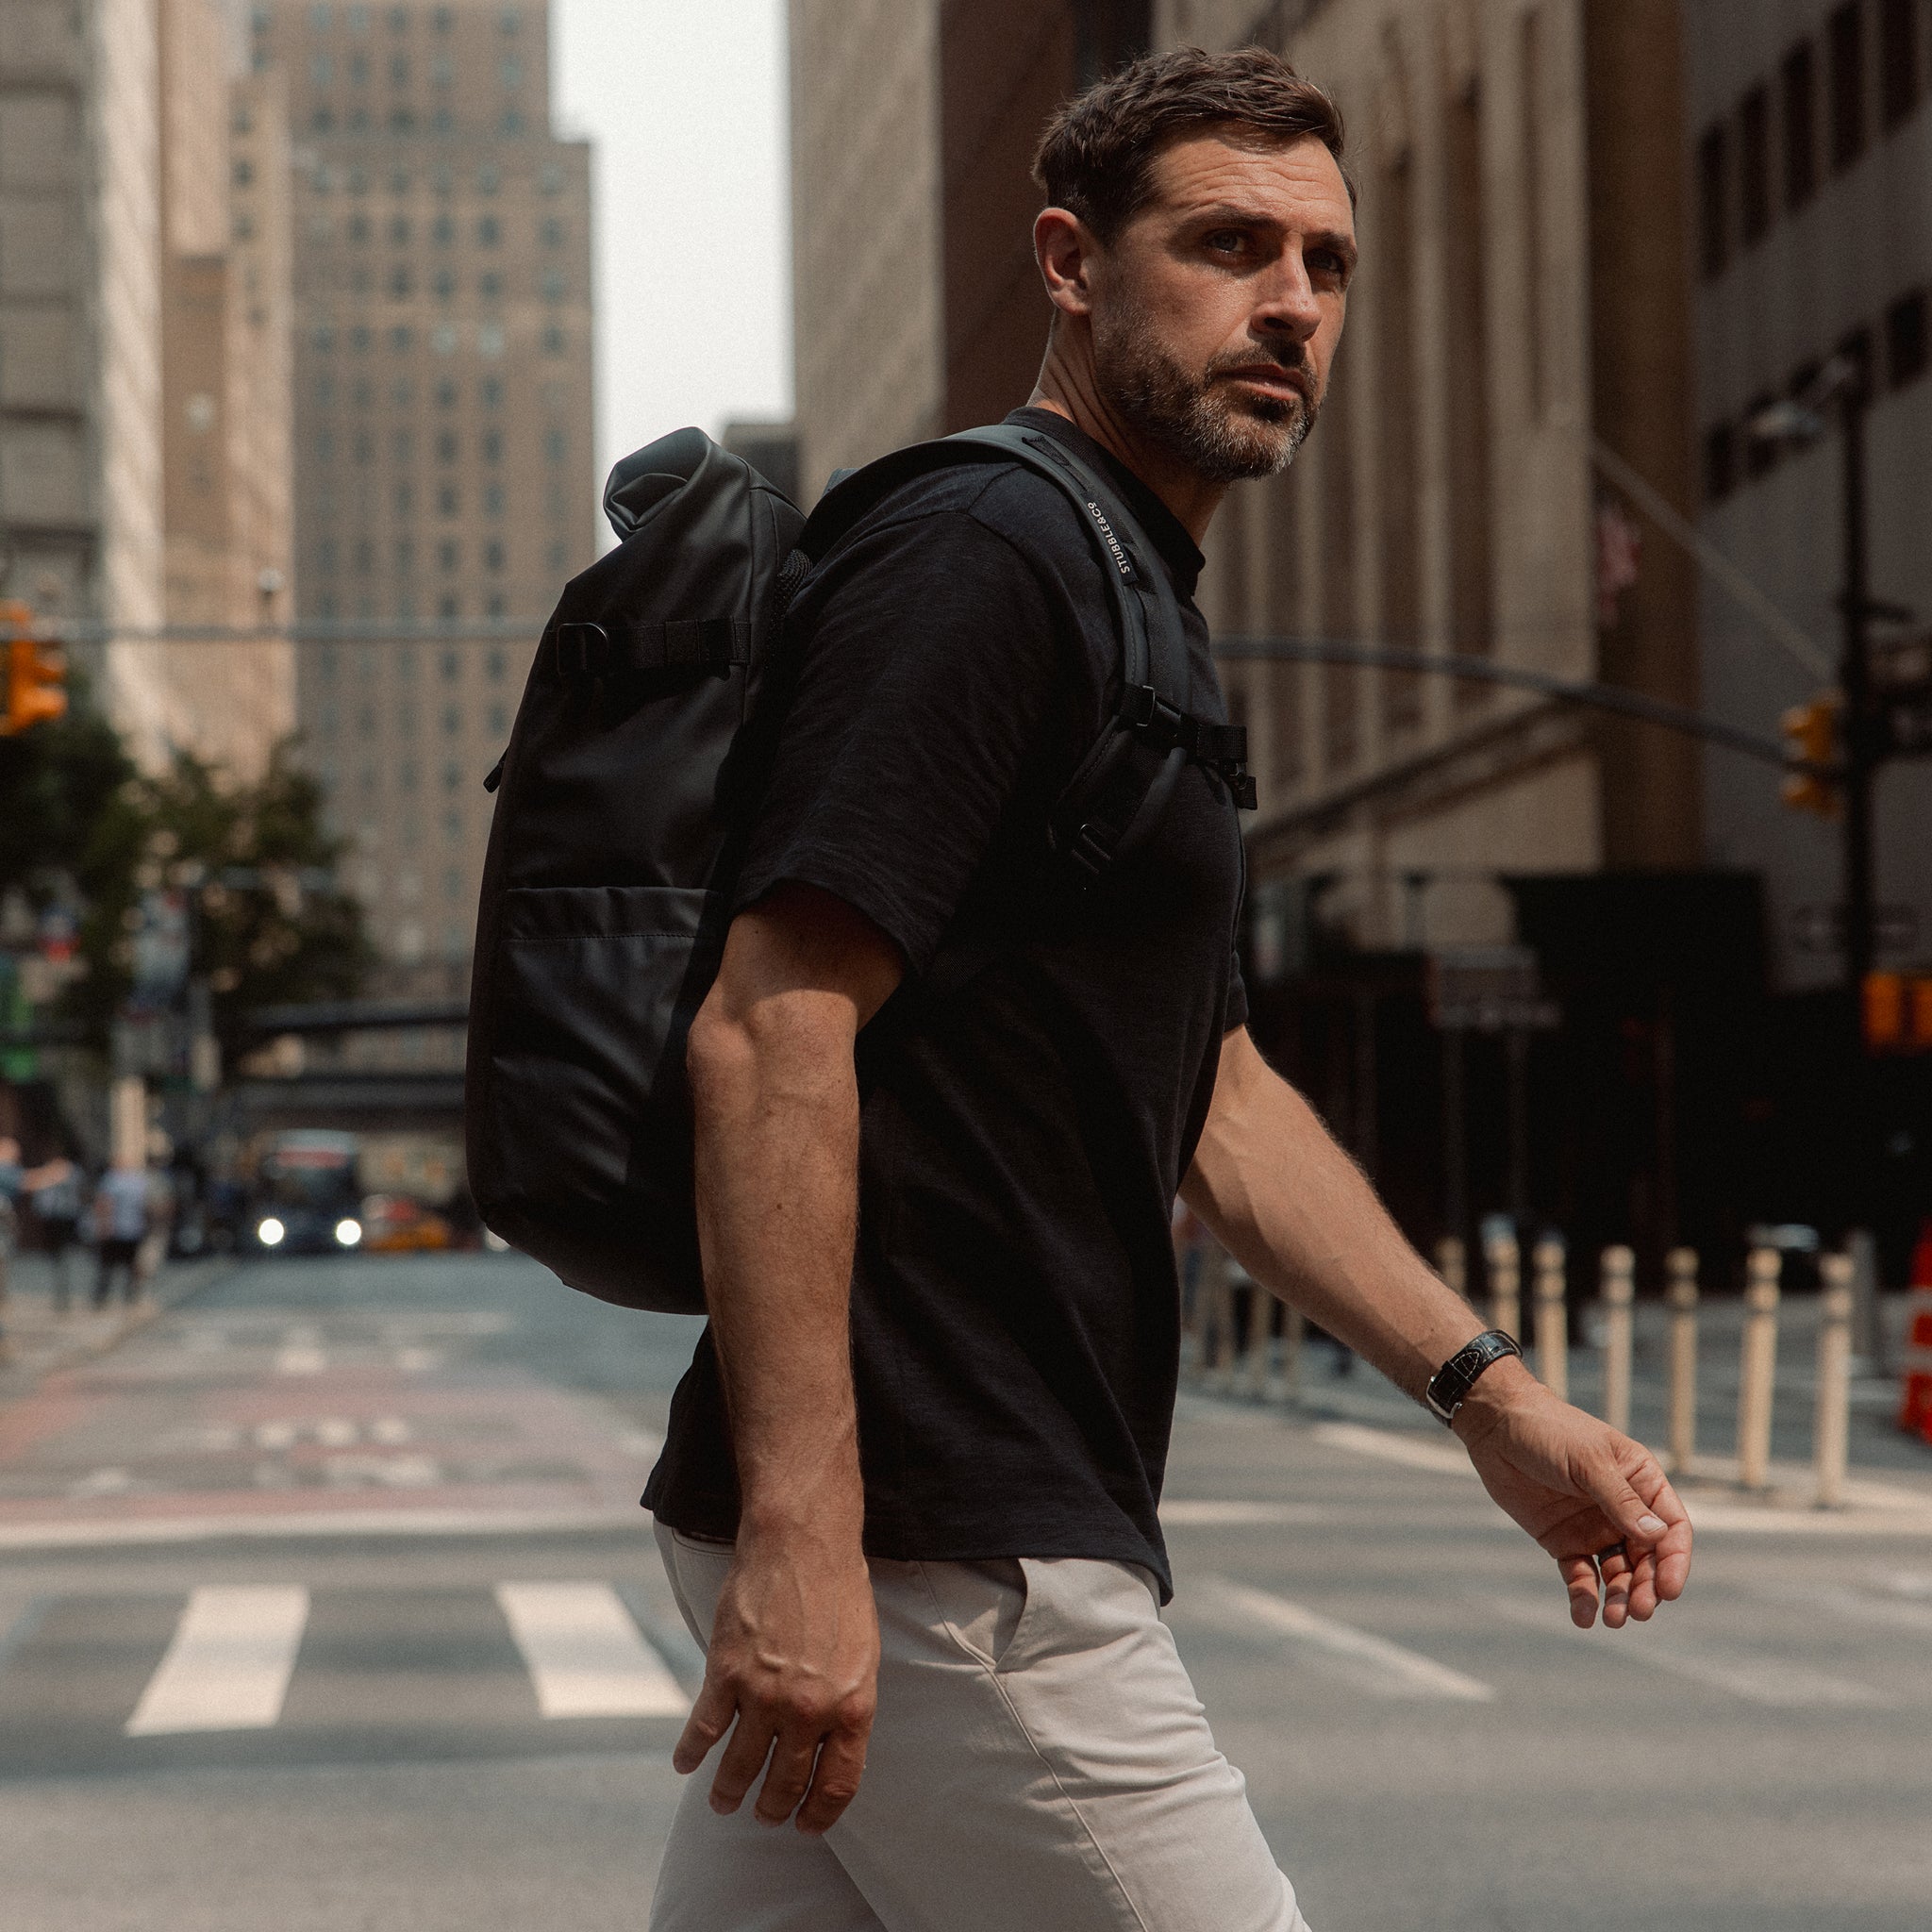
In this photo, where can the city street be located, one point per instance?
(273, 1651)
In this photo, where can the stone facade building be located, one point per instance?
(143, 392)
(1809, 143)
(443, 424)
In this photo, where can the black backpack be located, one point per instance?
(638, 755)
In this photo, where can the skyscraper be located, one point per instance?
(443, 424)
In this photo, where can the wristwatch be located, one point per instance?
(1450, 1385)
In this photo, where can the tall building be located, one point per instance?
(917, 309)
(1522, 305)
(143, 392)
(1809, 145)
(443, 424)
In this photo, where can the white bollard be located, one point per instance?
(1504, 1262)
(1552, 1318)
(1831, 1422)
(1683, 1272)
(1618, 1291)
(1452, 1264)
(1259, 1359)
(1757, 1366)
(1293, 1332)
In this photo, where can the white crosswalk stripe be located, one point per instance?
(228, 1666)
(586, 1656)
(1755, 1676)
(1372, 1663)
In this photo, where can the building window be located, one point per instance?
(1908, 350)
(399, 70)
(495, 665)
(512, 121)
(512, 73)
(558, 558)
(499, 719)
(490, 285)
(488, 231)
(322, 69)
(325, 446)
(490, 339)
(511, 20)
(358, 229)
(443, 231)
(445, 393)
(1713, 231)
(444, 283)
(404, 448)
(555, 445)
(447, 608)
(402, 338)
(554, 343)
(404, 554)
(448, 554)
(244, 172)
(446, 447)
(493, 499)
(488, 180)
(400, 282)
(552, 177)
(452, 722)
(1753, 166)
(406, 500)
(399, 232)
(494, 604)
(552, 232)
(1845, 42)
(493, 556)
(1898, 60)
(451, 666)
(446, 500)
(492, 391)
(552, 285)
(360, 338)
(359, 69)
(443, 339)
(493, 445)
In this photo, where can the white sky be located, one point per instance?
(686, 103)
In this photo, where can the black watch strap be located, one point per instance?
(1450, 1385)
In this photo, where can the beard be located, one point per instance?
(1221, 432)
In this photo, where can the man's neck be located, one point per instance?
(1067, 388)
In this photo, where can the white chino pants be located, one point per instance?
(1040, 1763)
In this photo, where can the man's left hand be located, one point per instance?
(1596, 1501)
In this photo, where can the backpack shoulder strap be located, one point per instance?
(1120, 789)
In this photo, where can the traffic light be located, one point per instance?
(34, 672)
(1897, 1012)
(1811, 734)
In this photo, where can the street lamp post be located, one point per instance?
(1861, 750)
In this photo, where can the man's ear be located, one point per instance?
(1065, 250)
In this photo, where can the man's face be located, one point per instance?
(1217, 308)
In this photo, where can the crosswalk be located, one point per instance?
(282, 1670)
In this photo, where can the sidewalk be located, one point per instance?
(39, 1341)
(1889, 1470)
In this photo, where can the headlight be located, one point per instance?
(348, 1232)
(270, 1233)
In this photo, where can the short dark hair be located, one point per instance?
(1096, 158)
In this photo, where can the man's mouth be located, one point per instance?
(1273, 378)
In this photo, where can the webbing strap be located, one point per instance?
(679, 644)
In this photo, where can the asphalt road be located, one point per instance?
(324, 1603)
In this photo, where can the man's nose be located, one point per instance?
(1290, 305)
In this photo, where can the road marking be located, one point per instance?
(1854, 1605)
(586, 1654)
(227, 1668)
(295, 1526)
(1751, 1675)
(337, 1432)
(1393, 1445)
(300, 1353)
(1372, 1663)
(1196, 1512)
(102, 1482)
(639, 1443)
(382, 1472)
(390, 1430)
(274, 1435)
(415, 1361)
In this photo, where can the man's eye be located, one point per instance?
(1227, 241)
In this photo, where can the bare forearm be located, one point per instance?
(776, 1132)
(1297, 1213)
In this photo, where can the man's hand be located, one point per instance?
(794, 1659)
(1596, 1500)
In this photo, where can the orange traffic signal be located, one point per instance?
(1897, 1012)
(34, 674)
(1811, 733)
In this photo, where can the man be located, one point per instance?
(120, 1225)
(913, 1470)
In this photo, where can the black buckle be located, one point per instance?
(1090, 851)
(1146, 711)
(582, 649)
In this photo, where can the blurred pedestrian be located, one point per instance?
(120, 1225)
(13, 1183)
(54, 1192)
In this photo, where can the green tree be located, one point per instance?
(55, 780)
(255, 863)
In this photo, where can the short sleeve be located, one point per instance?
(1236, 1014)
(929, 670)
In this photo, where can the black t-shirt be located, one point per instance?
(1015, 1315)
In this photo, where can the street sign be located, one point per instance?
(1489, 989)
